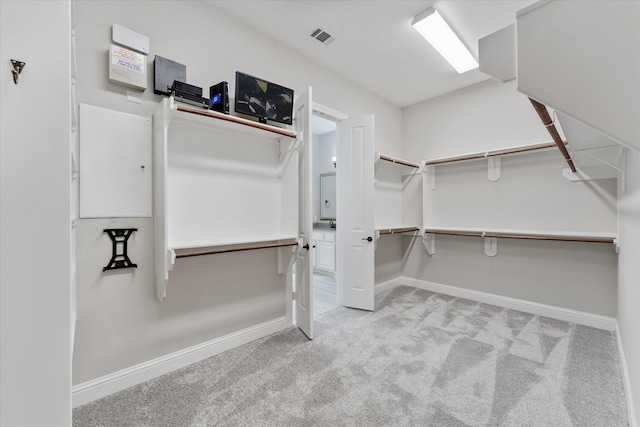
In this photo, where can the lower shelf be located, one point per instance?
(237, 247)
(193, 249)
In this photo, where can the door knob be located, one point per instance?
(306, 246)
(368, 239)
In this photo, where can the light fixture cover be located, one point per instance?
(435, 30)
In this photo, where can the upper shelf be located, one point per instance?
(403, 167)
(184, 114)
(398, 230)
(594, 153)
(400, 162)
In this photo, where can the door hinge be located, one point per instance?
(293, 295)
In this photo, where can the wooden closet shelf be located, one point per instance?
(564, 237)
(486, 154)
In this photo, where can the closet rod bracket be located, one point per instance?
(429, 242)
(430, 175)
(493, 167)
(490, 246)
(287, 257)
(171, 259)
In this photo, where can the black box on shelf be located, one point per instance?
(219, 97)
(189, 94)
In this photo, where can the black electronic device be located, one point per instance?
(165, 73)
(189, 94)
(265, 100)
(219, 97)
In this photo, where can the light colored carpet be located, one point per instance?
(421, 359)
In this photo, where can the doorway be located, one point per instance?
(326, 295)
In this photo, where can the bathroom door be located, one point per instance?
(357, 245)
(304, 268)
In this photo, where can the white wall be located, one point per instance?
(629, 272)
(485, 116)
(35, 224)
(120, 323)
(530, 195)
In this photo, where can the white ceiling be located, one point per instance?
(375, 44)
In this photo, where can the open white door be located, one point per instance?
(355, 224)
(303, 266)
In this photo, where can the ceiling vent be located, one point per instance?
(322, 36)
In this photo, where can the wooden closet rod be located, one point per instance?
(551, 128)
(546, 237)
(491, 154)
(399, 230)
(240, 249)
(233, 119)
(398, 161)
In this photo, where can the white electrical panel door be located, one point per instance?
(115, 164)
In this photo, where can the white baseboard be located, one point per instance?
(120, 380)
(389, 284)
(565, 314)
(633, 421)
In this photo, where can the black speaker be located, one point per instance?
(219, 97)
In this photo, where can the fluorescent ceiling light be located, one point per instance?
(435, 30)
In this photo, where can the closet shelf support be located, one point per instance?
(429, 242)
(291, 145)
(287, 256)
(493, 168)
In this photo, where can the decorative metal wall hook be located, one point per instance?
(17, 69)
(119, 238)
